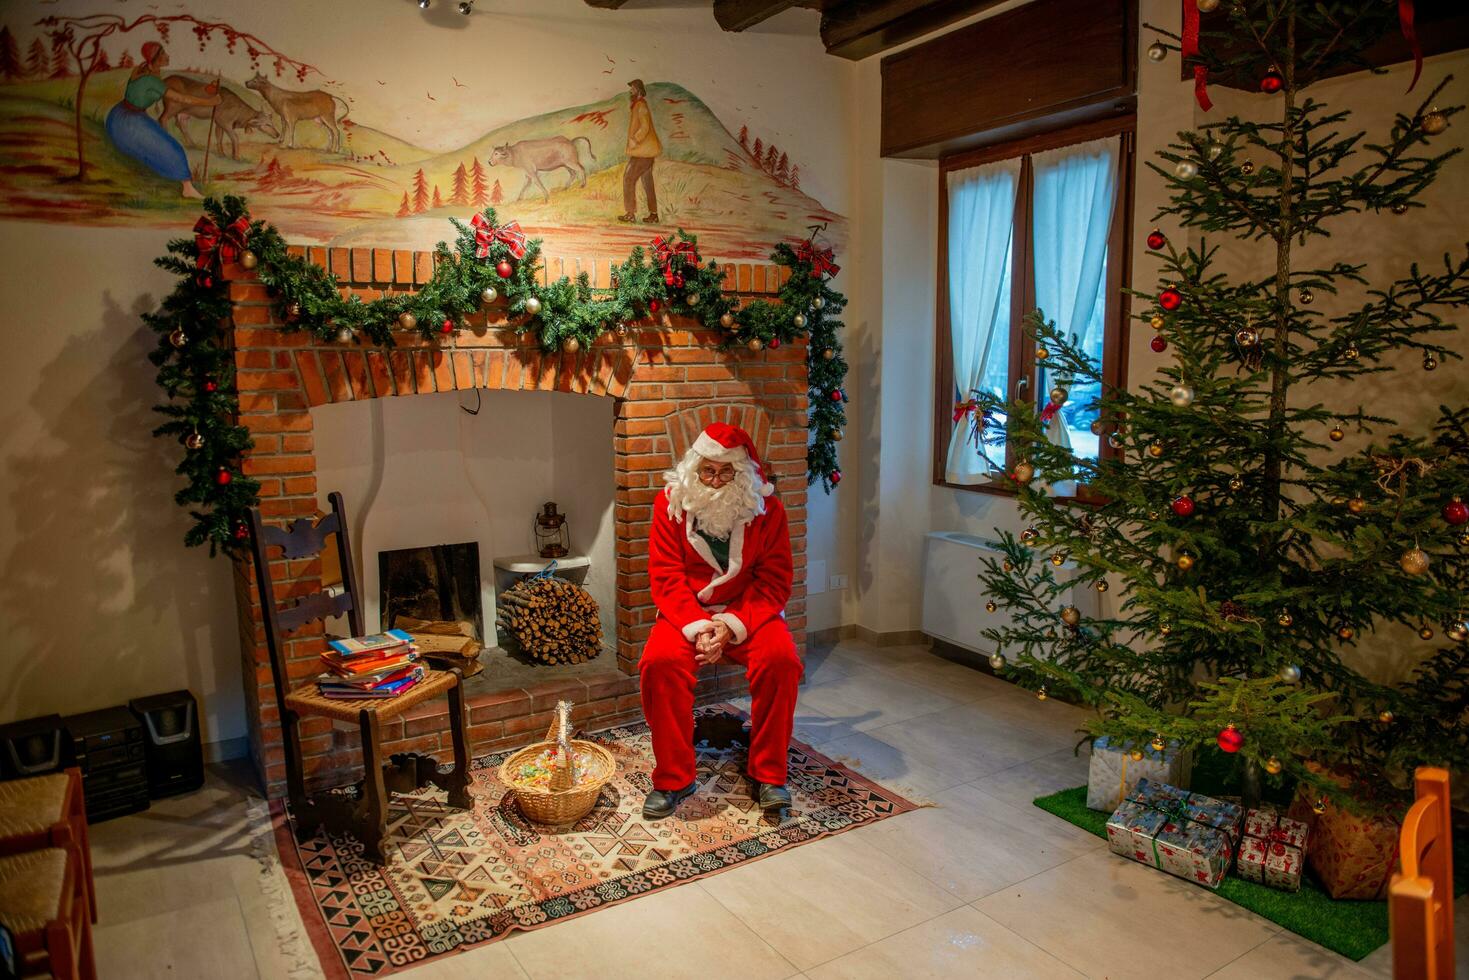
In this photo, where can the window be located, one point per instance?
(1043, 223)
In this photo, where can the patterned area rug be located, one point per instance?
(456, 878)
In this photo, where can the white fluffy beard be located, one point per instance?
(716, 511)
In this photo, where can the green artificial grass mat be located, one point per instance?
(1352, 929)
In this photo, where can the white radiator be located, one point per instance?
(954, 596)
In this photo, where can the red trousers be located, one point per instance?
(669, 672)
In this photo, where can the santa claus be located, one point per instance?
(719, 566)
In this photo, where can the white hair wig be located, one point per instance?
(716, 511)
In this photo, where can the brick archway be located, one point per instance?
(668, 379)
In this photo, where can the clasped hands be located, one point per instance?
(710, 642)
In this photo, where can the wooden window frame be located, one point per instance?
(1023, 366)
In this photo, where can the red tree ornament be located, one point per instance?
(447, 326)
(241, 531)
(1272, 82)
(774, 342)
(1170, 299)
(836, 477)
(654, 306)
(223, 477)
(1158, 343)
(1183, 505)
(1456, 511)
(504, 269)
(211, 386)
(1230, 740)
(836, 396)
(1156, 240)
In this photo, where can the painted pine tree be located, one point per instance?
(1249, 555)
(460, 193)
(404, 210)
(478, 196)
(11, 65)
(497, 195)
(420, 192)
(37, 60)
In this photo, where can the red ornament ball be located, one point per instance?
(223, 477)
(211, 386)
(1183, 505)
(836, 396)
(654, 306)
(504, 269)
(678, 282)
(1170, 299)
(1271, 82)
(447, 326)
(241, 532)
(1456, 511)
(774, 342)
(1230, 740)
(836, 477)
(1156, 240)
(206, 281)
(1158, 343)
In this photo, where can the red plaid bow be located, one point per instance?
(215, 246)
(674, 257)
(820, 259)
(1049, 412)
(487, 234)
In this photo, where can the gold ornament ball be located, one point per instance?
(1414, 561)
(620, 330)
(1041, 353)
(1184, 562)
(177, 337)
(1158, 743)
(1236, 483)
(1114, 440)
(1070, 615)
(1346, 633)
(1425, 632)
(1434, 122)
(1458, 631)
(1165, 628)
(1156, 321)
(1356, 505)
(1058, 396)
(997, 661)
(1186, 169)
(1136, 755)
(532, 305)
(799, 321)
(1351, 353)
(1155, 450)
(407, 321)
(1208, 6)
(1337, 434)
(1284, 619)
(1400, 207)
(1429, 362)
(1463, 539)
(1156, 51)
(818, 303)
(1385, 716)
(1096, 427)
(1058, 559)
(990, 606)
(1214, 150)
(1029, 535)
(344, 336)
(1307, 297)
(1247, 168)
(1102, 585)
(1182, 396)
(1272, 766)
(293, 311)
(1024, 471)
(828, 354)
(1319, 806)
(836, 435)
(1041, 694)
(726, 320)
(194, 441)
(692, 299)
(1291, 674)
(1247, 336)
(249, 259)
(570, 345)
(756, 344)
(1007, 566)
(488, 295)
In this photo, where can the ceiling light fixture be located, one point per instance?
(466, 7)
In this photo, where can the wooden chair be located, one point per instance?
(43, 904)
(1421, 896)
(364, 814)
(48, 811)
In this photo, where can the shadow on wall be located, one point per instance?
(861, 352)
(92, 589)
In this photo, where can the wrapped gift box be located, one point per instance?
(1273, 851)
(1114, 774)
(1353, 855)
(1185, 834)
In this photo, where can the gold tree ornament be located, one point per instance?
(997, 661)
(726, 320)
(177, 337)
(1247, 168)
(756, 344)
(1137, 755)
(1273, 766)
(1399, 207)
(1291, 674)
(249, 259)
(344, 336)
(1385, 716)
(1236, 483)
(1058, 559)
(1156, 51)
(1102, 585)
(1356, 505)
(1158, 743)
(1041, 694)
(1307, 297)
(1414, 561)
(1185, 562)
(1351, 353)
(1345, 633)
(1247, 336)
(1041, 353)
(1024, 471)
(407, 321)
(1029, 534)
(828, 354)
(1070, 615)
(1430, 362)
(1433, 121)
(1425, 632)
(1337, 434)
(1155, 450)
(1165, 628)
(1156, 321)
(1182, 396)
(1284, 620)
(570, 345)
(990, 606)
(194, 441)
(1458, 631)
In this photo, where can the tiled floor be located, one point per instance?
(983, 885)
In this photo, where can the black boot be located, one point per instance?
(772, 797)
(662, 802)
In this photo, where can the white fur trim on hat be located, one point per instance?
(710, 448)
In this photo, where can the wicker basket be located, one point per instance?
(562, 803)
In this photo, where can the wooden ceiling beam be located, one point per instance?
(856, 29)
(740, 15)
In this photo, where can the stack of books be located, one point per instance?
(379, 666)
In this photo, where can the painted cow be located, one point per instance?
(534, 156)
(293, 107)
(232, 116)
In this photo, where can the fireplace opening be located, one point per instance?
(438, 584)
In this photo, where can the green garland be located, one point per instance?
(196, 363)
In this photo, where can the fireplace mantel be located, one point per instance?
(668, 380)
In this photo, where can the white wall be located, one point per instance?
(100, 601)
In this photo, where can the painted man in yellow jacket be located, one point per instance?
(643, 148)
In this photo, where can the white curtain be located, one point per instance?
(1075, 189)
(981, 225)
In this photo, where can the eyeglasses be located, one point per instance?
(709, 473)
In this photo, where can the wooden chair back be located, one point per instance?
(1421, 896)
(302, 539)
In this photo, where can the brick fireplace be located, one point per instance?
(667, 381)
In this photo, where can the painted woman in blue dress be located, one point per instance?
(137, 134)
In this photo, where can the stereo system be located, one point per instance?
(127, 755)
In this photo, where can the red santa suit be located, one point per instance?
(692, 592)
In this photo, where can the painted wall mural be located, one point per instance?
(122, 119)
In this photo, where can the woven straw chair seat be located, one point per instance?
(30, 888)
(32, 806)
(308, 700)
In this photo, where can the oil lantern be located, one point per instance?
(553, 540)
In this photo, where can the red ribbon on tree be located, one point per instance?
(215, 246)
(674, 257)
(976, 419)
(1410, 34)
(487, 234)
(1049, 412)
(820, 259)
(1189, 48)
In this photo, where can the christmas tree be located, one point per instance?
(1245, 552)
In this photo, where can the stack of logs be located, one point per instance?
(551, 619)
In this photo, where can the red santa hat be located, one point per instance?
(725, 443)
